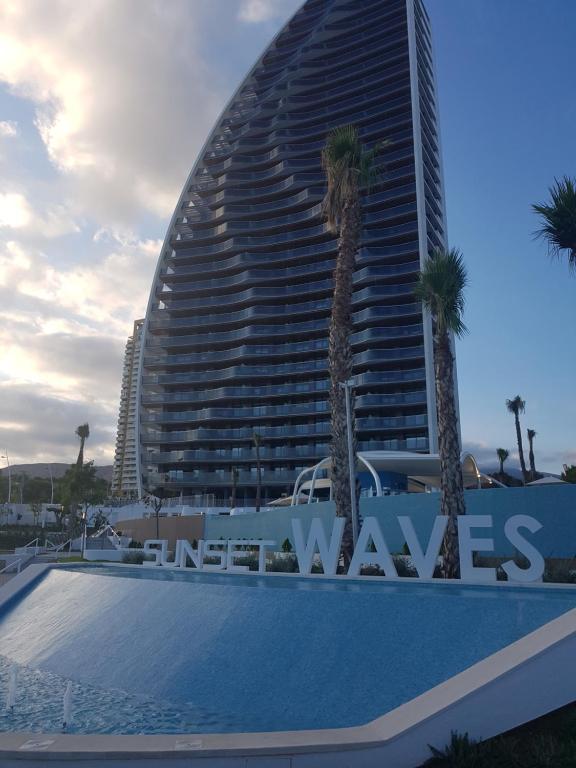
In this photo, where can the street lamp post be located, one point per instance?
(5, 456)
(347, 386)
(84, 532)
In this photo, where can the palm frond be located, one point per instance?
(83, 431)
(441, 289)
(558, 219)
(516, 405)
(348, 166)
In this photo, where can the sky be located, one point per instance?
(104, 106)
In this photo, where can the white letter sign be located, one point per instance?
(370, 549)
(424, 562)
(468, 545)
(536, 569)
(370, 531)
(305, 551)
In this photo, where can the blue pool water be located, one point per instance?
(156, 651)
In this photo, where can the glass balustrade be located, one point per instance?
(284, 431)
(292, 409)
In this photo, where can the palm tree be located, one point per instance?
(531, 436)
(558, 219)
(349, 166)
(517, 406)
(234, 477)
(568, 473)
(257, 441)
(441, 290)
(83, 432)
(502, 454)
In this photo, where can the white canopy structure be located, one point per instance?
(422, 471)
(549, 480)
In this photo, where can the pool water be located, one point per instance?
(159, 651)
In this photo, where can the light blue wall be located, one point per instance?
(553, 506)
(276, 525)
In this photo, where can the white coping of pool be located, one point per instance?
(519, 683)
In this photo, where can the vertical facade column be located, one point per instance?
(422, 225)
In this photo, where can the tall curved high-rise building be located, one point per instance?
(235, 340)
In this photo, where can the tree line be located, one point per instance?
(78, 489)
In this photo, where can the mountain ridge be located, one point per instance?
(42, 470)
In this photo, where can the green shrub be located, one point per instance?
(461, 752)
(559, 572)
(282, 564)
(211, 560)
(371, 570)
(549, 742)
(135, 544)
(286, 545)
(135, 558)
(405, 569)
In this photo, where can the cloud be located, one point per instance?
(17, 213)
(86, 367)
(14, 210)
(259, 11)
(112, 84)
(8, 128)
(52, 437)
(256, 11)
(62, 332)
(105, 295)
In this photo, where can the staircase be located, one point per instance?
(102, 542)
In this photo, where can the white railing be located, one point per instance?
(51, 548)
(34, 544)
(111, 535)
(17, 563)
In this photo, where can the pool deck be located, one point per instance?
(519, 683)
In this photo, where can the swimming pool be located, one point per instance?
(159, 651)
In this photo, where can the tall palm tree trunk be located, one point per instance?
(80, 459)
(520, 448)
(234, 475)
(258, 479)
(452, 487)
(533, 473)
(501, 466)
(340, 364)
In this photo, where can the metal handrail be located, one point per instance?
(111, 535)
(10, 565)
(35, 542)
(51, 547)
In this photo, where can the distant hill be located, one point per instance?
(105, 472)
(492, 469)
(58, 470)
(515, 472)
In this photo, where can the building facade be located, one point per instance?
(236, 334)
(125, 471)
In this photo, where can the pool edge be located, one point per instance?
(490, 697)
